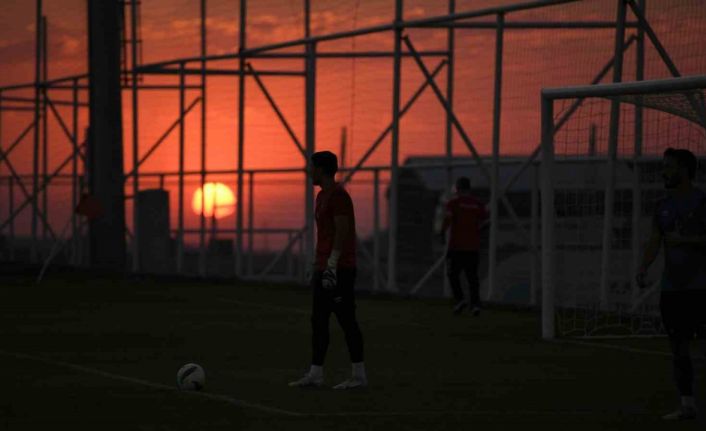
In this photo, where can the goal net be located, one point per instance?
(602, 149)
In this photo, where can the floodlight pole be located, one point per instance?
(495, 168)
(241, 140)
(614, 129)
(393, 214)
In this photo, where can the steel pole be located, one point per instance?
(395, 152)
(495, 169)
(135, 138)
(45, 131)
(202, 216)
(180, 203)
(612, 156)
(638, 134)
(547, 196)
(37, 115)
(241, 141)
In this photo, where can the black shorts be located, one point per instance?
(684, 312)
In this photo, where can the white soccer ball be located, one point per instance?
(191, 377)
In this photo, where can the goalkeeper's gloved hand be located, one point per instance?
(329, 279)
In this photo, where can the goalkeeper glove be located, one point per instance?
(329, 279)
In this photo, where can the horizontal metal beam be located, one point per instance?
(31, 100)
(490, 11)
(215, 72)
(359, 54)
(17, 108)
(530, 25)
(627, 88)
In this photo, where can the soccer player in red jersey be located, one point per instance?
(334, 273)
(464, 215)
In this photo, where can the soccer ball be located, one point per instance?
(191, 377)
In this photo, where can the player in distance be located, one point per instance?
(464, 216)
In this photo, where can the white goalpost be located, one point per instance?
(600, 179)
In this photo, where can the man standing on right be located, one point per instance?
(680, 224)
(464, 215)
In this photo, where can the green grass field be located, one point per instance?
(103, 354)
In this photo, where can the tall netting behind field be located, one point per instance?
(596, 256)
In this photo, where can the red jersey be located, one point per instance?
(464, 214)
(329, 204)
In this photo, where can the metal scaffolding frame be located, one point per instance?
(203, 66)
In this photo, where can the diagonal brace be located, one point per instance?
(272, 102)
(68, 134)
(385, 132)
(161, 139)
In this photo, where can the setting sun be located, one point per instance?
(217, 196)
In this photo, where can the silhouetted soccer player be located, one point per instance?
(334, 274)
(464, 215)
(680, 223)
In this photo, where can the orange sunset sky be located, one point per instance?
(351, 93)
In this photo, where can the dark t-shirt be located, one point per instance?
(684, 264)
(329, 204)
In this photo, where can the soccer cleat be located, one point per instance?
(681, 414)
(460, 307)
(308, 381)
(475, 311)
(352, 383)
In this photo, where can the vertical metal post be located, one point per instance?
(451, 45)
(35, 153)
(612, 156)
(288, 259)
(45, 131)
(547, 196)
(241, 141)
(180, 204)
(74, 177)
(135, 139)
(12, 221)
(638, 133)
(495, 168)
(310, 137)
(202, 216)
(534, 234)
(251, 219)
(376, 230)
(394, 162)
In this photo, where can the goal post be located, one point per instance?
(600, 180)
